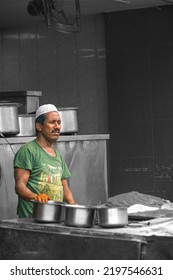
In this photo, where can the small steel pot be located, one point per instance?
(52, 211)
(79, 215)
(112, 216)
(9, 118)
(26, 125)
(69, 121)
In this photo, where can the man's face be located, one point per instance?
(50, 130)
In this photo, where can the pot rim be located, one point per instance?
(79, 206)
(27, 115)
(10, 104)
(113, 207)
(49, 202)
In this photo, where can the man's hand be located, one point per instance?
(42, 197)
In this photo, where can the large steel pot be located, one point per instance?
(112, 216)
(69, 121)
(52, 211)
(9, 118)
(79, 215)
(26, 125)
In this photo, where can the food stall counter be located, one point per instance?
(27, 239)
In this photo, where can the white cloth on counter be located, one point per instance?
(167, 206)
(135, 208)
(163, 229)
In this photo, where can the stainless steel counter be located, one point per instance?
(28, 239)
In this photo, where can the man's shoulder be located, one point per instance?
(28, 146)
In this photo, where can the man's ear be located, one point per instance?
(38, 126)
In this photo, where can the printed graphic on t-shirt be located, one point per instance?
(50, 182)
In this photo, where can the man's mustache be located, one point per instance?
(55, 131)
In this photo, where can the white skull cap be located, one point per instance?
(45, 109)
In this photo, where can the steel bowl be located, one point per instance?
(9, 118)
(112, 216)
(69, 120)
(52, 211)
(79, 215)
(26, 125)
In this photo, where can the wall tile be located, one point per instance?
(162, 100)
(87, 71)
(28, 72)
(100, 31)
(47, 74)
(133, 139)
(132, 65)
(124, 28)
(102, 110)
(10, 76)
(67, 98)
(163, 138)
(87, 37)
(28, 44)
(67, 72)
(161, 63)
(67, 43)
(159, 28)
(44, 98)
(10, 46)
(133, 101)
(101, 74)
(46, 44)
(88, 117)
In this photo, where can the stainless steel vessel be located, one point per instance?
(9, 118)
(26, 125)
(79, 215)
(69, 121)
(52, 211)
(112, 216)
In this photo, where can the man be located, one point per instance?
(40, 172)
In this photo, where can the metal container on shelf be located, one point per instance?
(26, 125)
(9, 118)
(69, 121)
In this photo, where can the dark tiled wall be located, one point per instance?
(139, 47)
(70, 69)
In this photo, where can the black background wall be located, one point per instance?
(139, 46)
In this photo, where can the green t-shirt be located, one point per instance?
(46, 174)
